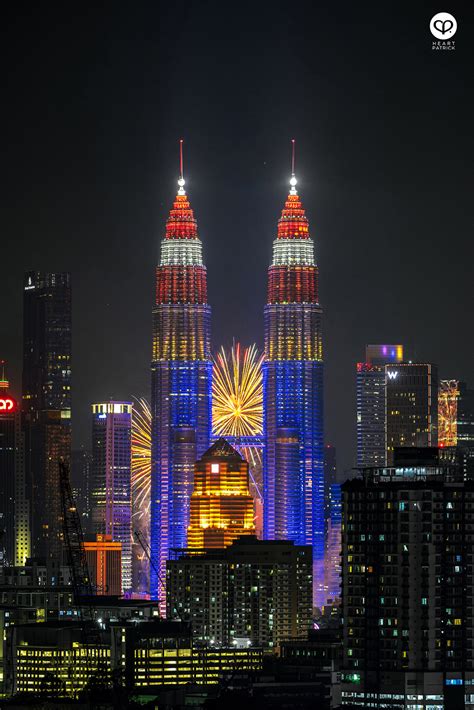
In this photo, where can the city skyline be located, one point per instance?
(236, 372)
(99, 181)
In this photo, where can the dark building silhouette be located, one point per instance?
(411, 406)
(46, 400)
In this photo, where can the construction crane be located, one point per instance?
(146, 549)
(83, 592)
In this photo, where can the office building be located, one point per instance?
(111, 465)
(222, 508)
(104, 562)
(371, 410)
(55, 658)
(293, 392)
(46, 403)
(180, 383)
(411, 406)
(252, 592)
(407, 584)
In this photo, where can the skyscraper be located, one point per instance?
(112, 471)
(14, 506)
(46, 401)
(180, 383)
(371, 425)
(411, 406)
(222, 508)
(293, 391)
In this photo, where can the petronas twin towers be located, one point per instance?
(292, 379)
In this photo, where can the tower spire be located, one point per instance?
(293, 180)
(181, 175)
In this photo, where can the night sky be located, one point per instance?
(93, 105)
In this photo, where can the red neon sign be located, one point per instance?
(7, 404)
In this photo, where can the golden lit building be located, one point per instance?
(221, 504)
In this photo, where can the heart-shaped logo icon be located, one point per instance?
(444, 26)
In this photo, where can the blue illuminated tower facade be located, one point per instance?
(181, 384)
(293, 392)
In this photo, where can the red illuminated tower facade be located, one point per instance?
(181, 383)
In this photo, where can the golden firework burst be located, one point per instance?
(237, 392)
(141, 459)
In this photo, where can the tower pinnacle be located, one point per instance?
(293, 180)
(181, 181)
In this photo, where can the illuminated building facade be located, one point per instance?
(46, 402)
(111, 470)
(448, 396)
(163, 653)
(53, 659)
(222, 508)
(371, 411)
(293, 391)
(181, 383)
(104, 561)
(14, 506)
(411, 406)
(407, 585)
(253, 592)
(455, 414)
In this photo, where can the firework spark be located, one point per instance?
(237, 392)
(141, 459)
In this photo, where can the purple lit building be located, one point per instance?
(111, 474)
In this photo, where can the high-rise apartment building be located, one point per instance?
(222, 508)
(111, 473)
(411, 406)
(46, 402)
(408, 584)
(253, 591)
(371, 411)
(293, 391)
(180, 383)
(14, 506)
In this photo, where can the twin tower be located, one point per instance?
(293, 472)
